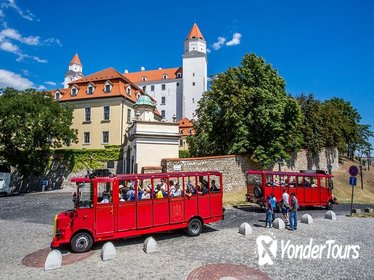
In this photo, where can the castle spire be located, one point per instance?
(76, 60)
(195, 33)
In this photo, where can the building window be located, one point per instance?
(164, 76)
(181, 131)
(57, 96)
(152, 88)
(163, 99)
(87, 114)
(86, 138)
(106, 115)
(193, 74)
(193, 100)
(74, 91)
(181, 142)
(163, 114)
(177, 84)
(193, 83)
(107, 87)
(144, 88)
(128, 115)
(128, 91)
(144, 79)
(179, 75)
(90, 89)
(189, 131)
(105, 137)
(163, 87)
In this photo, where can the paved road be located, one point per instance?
(41, 208)
(25, 227)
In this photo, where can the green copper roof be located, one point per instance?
(144, 100)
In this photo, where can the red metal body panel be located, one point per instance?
(319, 195)
(121, 219)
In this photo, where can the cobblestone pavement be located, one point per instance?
(26, 226)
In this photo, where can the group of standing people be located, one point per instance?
(288, 206)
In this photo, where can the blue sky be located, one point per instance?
(321, 47)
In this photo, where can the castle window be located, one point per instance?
(177, 84)
(193, 83)
(163, 87)
(152, 88)
(105, 137)
(163, 114)
(106, 113)
(179, 75)
(144, 88)
(164, 76)
(87, 114)
(74, 91)
(107, 86)
(128, 115)
(144, 78)
(193, 74)
(163, 99)
(86, 138)
(128, 91)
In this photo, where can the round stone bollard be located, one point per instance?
(307, 219)
(108, 251)
(279, 224)
(369, 210)
(330, 215)
(53, 261)
(150, 245)
(245, 229)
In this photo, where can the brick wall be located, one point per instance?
(234, 167)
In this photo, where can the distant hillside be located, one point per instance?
(343, 191)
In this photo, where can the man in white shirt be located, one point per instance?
(285, 205)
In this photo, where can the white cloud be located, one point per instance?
(52, 41)
(25, 14)
(41, 87)
(208, 50)
(217, 45)
(14, 35)
(50, 83)
(1, 13)
(9, 47)
(11, 79)
(235, 40)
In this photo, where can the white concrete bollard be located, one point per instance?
(307, 219)
(150, 245)
(278, 223)
(108, 251)
(369, 210)
(357, 211)
(53, 261)
(330, 215)
(245, 229)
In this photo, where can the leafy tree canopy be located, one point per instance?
(31, 123)
(247, 111)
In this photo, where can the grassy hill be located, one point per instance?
(342, 190)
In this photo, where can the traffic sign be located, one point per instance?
(353, 170)
(352, 181)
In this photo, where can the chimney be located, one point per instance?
(142, 68)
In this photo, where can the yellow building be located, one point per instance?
(103, 106)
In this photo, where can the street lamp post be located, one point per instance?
(280, 165)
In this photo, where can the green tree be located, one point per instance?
(247, 111)
(313, 124)
(31, 123)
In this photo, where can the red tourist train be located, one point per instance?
(128, 205)
(311, 188)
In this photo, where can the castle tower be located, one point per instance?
(194, 71)
(74, 72)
